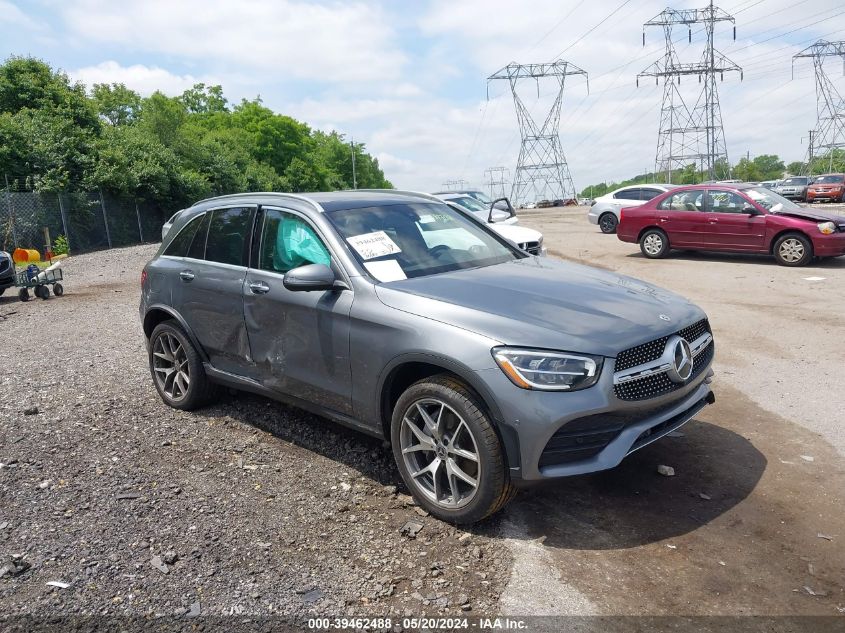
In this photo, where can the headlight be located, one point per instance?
(827, 227)
(548, 371)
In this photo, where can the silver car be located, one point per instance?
(485, 368)
(794, 188)
(605, 209)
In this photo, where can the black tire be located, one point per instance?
(23, 294)
(608, 222)
(494, 488)
(654, 244)
(793, 249)
(2, 290)
(58, 289)
(200, 390)
(42, 292)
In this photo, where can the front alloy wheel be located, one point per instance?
(793, 249)
(440, 453)
(448, 452)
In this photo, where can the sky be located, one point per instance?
(409, 78)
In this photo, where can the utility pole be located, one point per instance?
(496, 179)
(354, 178)
(541, 169)
(829, 135)
(690, 135)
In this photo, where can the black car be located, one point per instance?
(7, 271)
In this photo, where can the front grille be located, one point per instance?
(531, 247)
(659, 384)
(652, 350)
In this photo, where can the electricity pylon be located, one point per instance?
(455, 185)
(496, 179)
(829, 134)
(541, 169)
(690, 135)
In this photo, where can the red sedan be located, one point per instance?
(736, 217)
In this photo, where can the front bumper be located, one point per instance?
(832, 245)
(532, 418)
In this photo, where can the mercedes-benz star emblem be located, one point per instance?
(664, 317)
(681, 368)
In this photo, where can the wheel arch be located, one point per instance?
(158, 314)
(408, 369)
(648, 228)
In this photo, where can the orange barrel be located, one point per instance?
(26, 255)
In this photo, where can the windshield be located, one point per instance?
(402, 241)
(470, 204)
(481, 197)
(826, 180)
(769, 200)
(794, 181)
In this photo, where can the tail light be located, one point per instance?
(621, 214)
(143, 277)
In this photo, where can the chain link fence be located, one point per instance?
(89, 221)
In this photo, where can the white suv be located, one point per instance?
(605, 209)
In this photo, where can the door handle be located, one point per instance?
(187, 275)
(712, 221)
(664, 219)
(259, 288)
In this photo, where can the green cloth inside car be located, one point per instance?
(296, 245)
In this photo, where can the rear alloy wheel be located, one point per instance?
(448, 452)
(793, 249)
(177, 368)
(654, 244)
(608, 222)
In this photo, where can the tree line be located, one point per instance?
(757, 169)
(55, 135)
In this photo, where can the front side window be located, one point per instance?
(288, 241)
(627, 194)
(399, 241)
(227, 234)
(684, 201)
(180, 244)
(722, 201)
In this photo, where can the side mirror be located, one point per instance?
(310, 277)
(493, 207)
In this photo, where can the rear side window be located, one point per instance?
(182, 242)
(197, 248)
(227, 233)
(683, 201)
(628, 194)
(648, 194)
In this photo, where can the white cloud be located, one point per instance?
(268, 39)
(13, 15)
(143, 79)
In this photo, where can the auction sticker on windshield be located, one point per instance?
(372, 245)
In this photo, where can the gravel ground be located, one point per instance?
(245, 507)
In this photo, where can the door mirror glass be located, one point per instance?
(309, 277)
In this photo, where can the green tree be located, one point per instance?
(116, 103)
(202, 99)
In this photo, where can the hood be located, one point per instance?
(537, 302)
(517, 234)
(812, 214)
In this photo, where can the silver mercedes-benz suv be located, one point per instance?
(484, 367)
